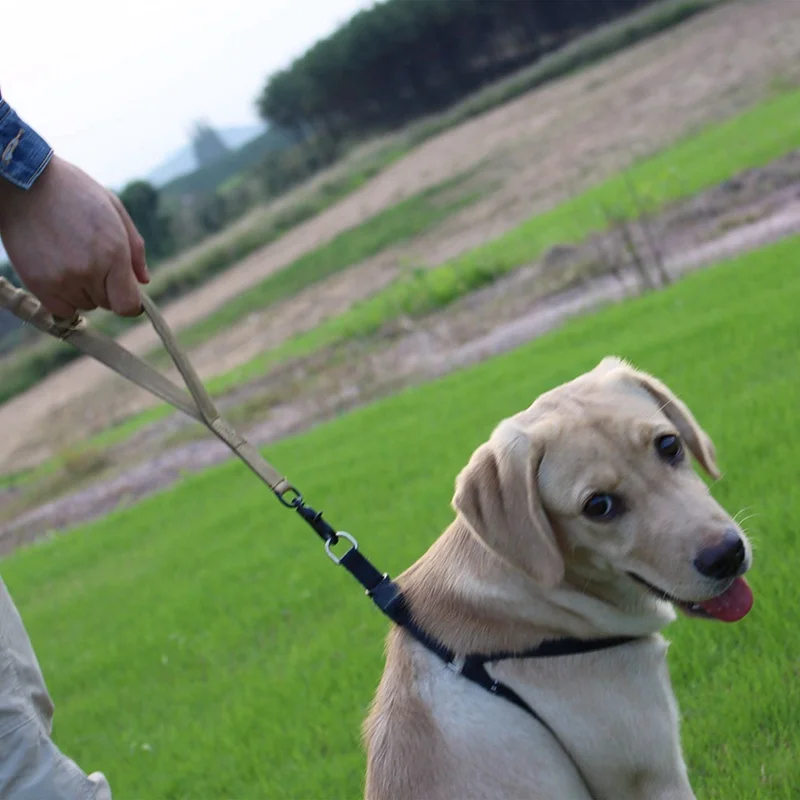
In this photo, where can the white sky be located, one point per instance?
(115, 86)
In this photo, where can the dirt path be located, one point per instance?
(443, 345)
(547, 144)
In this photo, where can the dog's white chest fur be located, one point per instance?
(613, 710)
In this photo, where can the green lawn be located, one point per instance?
(201, 645)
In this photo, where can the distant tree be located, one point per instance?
(210, 212)
(207, 144)
(12, 331)
(142, 201)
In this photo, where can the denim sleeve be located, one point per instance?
(23, 153)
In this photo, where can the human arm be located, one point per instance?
(70, 240)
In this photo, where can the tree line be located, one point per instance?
(389, 64)
(402, 59)
(386, 66)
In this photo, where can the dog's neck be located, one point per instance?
(464, 595)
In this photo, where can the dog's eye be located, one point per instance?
(603, 507)
(670, 448)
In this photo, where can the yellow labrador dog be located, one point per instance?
(530, 665)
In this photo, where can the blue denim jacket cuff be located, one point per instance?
(23, 153)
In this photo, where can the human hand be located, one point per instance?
(72, 243)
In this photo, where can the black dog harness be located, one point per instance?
(388, 597)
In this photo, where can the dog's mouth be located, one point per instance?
(729, 606)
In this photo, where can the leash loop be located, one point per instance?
(289, 496)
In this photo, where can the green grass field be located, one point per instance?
(202, 645)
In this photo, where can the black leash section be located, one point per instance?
(387, 596)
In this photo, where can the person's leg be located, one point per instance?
(31, 766)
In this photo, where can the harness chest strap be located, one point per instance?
(389, 599)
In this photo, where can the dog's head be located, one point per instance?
(598, 471)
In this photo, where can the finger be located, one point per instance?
(123, 291)
(85, 302)
(58, 307)
(62, 302)
(135, 240)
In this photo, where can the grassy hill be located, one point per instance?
(31, 364)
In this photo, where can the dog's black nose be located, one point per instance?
(724, 559)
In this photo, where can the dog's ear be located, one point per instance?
(609, 364)
(497, 496)
(697, 440)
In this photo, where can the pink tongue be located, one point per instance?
(733, 604)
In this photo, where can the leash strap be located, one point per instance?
(197, 404)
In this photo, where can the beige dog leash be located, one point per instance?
(197, 404)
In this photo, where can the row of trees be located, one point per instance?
(171, 224)
(402, 59)
(387, 65)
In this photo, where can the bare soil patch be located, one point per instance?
(543, 146)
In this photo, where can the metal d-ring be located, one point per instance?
(340, 535)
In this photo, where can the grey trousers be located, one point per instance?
(31, 766)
